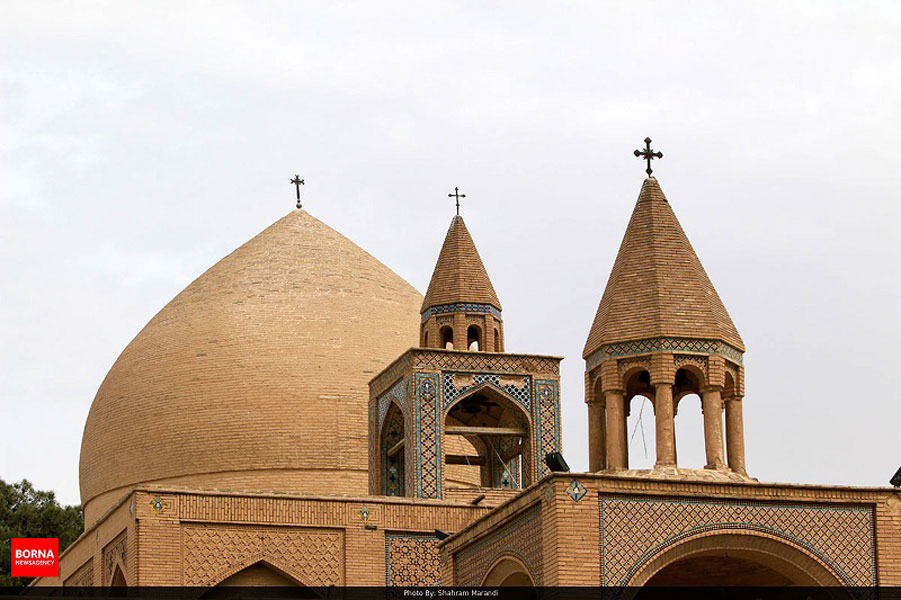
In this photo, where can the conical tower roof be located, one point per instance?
(459, 276)
(658, 287)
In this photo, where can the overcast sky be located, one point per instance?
(141, 143)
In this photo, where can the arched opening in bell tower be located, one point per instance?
(640, 426)
(499, 434)
(447, 337)
(473, 338)
(689, 419)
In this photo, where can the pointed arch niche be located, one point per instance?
(497, 435)
(392, 452)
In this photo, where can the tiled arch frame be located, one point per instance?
(767, 547)
(522, 414)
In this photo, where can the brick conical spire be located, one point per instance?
(461, 310)
(658, 287)
(459, 276)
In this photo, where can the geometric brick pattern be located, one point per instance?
(212, 553)
(548, 421)
(115, 554)
(520, 392)
(520, 538)
(428, 437)
(634, 529)
(662, 344)
(412, 560)
(701, 362)
(83, 577)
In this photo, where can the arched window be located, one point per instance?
(473, 338)
(447, 338)
(497, 340)
(393, 452)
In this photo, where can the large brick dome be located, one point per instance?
(255, 376)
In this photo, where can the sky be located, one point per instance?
(142, 142)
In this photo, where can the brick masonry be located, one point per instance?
(272, 350)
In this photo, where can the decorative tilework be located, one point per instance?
(428, 436)
(393, 466)
(470, 308)
(662, 344)
(547, 421)
(521, 538)
(506, 474)
(576, 490)
(489, 362)
(635, 529)
(375, 441)
(521, 392)
(412, 560)
(397, 393)
(158, 504)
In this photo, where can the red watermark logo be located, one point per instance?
(35, 557)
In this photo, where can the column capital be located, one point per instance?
(711, 388)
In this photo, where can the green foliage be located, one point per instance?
(27, 512)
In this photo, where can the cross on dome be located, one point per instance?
(297, 181)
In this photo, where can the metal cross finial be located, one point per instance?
(457, 195)
(297, 181)
(648, 154)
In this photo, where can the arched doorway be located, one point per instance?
(750, 558)
(261, 573)
(508, 571)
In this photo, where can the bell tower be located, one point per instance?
(461, 310)
(661, 331)
(458, 417)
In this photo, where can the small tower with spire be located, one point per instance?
(461, 310)
(458, 415)
(661, 331)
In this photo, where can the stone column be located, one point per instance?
(735, 435)
(617, 452)
(597, 444)
(712, 406)
(666, 427)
